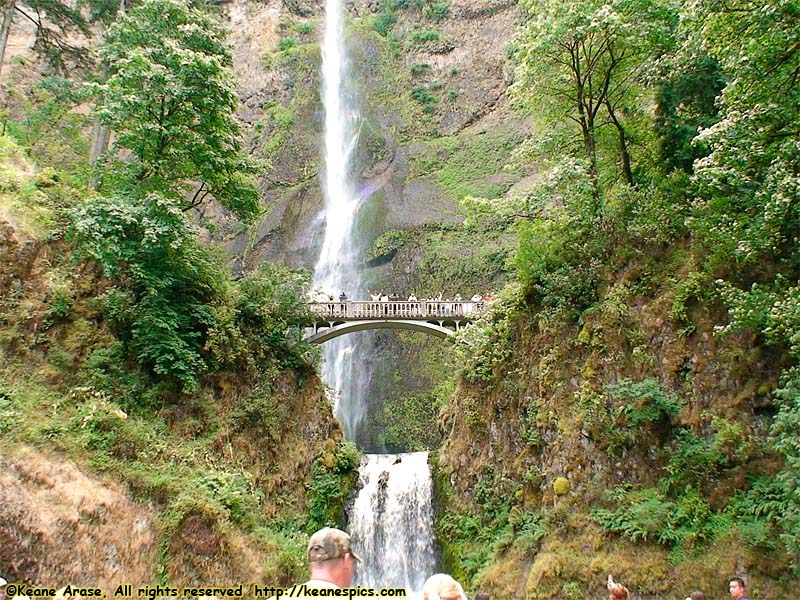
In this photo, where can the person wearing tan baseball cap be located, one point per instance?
(331, 561)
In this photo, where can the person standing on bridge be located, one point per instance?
(413, 310)
(393, 307)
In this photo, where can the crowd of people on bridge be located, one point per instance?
(392, 305)
(320, 296)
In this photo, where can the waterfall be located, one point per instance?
(391, 521)
(396, 494)
(335, 270)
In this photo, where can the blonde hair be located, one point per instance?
(442, 587)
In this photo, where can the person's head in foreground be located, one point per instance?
(331, 558)
(697, 595)
(442, 587)
(736, 588)
(3, 584)
(617, 591)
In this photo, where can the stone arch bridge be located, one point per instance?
(439, 318)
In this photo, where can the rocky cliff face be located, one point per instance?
(548, 438)
(431, 88)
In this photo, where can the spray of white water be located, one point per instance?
(335, 270)
(396, 495)
(391, 521)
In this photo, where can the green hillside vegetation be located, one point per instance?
(630, 402)
(127, 344)
(657, 260)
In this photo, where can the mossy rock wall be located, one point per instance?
(548, 414)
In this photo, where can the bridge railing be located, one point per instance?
(422, 309)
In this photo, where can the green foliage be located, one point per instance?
(436, 11)
(485, 346)
(60, 299)
(644, 401)
(170, 101)
(784, 507)
(696, 286)
(430, 10)
(287, 44)
(333, 479)
(262, 322)
(384, 22)
(425, 37)
(686, 523)
(422, 94)
(698, 461)
(583, 64)
(559, 253)
(234, 491)
(572, 591)
(257, 412)
(170, 281)
(8, 413)
(471, 541)
(419, 69)
(746, 184)
(462, 164)
(411, 422)
(528, 528)
(51, 128)
(686, 103)
(58, 29)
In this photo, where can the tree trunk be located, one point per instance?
(8, 15)
(100, 138)
(590, 147)
(101, 134)
(627, 171)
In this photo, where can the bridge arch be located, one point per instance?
(337, 329)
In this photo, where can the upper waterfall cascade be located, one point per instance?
(336, 267)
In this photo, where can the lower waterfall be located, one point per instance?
(391, 522)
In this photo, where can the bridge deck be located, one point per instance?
(423, 310)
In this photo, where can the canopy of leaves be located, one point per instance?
(170, 102)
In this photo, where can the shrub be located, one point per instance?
(646, 401)
(234, 491)
(425, 37)
(332, 482)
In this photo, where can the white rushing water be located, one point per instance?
(391, 522)
(396, 495)
(336, 270)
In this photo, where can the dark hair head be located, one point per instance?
(739, 580)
